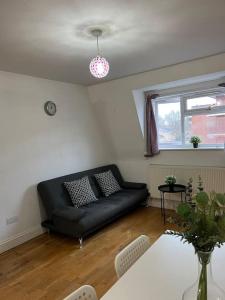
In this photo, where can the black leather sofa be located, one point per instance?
(64, 218)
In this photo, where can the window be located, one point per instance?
(182, 116)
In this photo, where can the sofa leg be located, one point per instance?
(81, 242)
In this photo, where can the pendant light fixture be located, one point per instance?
(99, 66)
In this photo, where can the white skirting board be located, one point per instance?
(20, 238)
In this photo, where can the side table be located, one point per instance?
(166, 188)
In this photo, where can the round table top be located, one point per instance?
(175, 188)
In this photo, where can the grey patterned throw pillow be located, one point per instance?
(80, 191)
(107, 183)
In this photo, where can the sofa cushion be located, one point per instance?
(133, 185)
(107, 208)
(80, 191)
(128, 197)
(107, 183)
(69, 213)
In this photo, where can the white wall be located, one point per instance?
(114, 103)
(35, 147)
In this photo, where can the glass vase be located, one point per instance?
(205, 288)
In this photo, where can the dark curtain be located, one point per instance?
(151, 130)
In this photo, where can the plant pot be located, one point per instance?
(195, 145)
(205, 288)
(171, 187)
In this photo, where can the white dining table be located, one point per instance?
(164, 271)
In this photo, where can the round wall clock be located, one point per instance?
(50, 108)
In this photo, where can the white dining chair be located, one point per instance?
(130, 254)
(86, 292)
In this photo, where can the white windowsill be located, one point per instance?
(191, 149)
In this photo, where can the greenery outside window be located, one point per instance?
(178, 117)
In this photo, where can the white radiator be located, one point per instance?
(213, 177)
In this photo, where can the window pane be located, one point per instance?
(206, 101)
(210, 128)
(169, 124)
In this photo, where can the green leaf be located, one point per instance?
(184, 210)
(202, 199)
(220, 199)
(202, 223)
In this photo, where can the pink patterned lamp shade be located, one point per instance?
(99, 67)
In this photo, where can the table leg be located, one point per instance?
(164, 212)
(161, 197)
(181, 196)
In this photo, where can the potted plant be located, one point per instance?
(170, 180)
(189, 190)
(195, 140)
(200, 187)
(202, 224)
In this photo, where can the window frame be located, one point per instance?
(202, 111)
(184, 112)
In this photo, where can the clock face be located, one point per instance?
(50, 108)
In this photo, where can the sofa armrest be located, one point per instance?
(133, 185)
(69, 213)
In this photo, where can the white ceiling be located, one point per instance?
(50, 39)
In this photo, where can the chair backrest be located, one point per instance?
(128, 256)
(86, 292)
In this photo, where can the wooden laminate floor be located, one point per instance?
(52, 266)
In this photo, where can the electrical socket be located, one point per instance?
(12, 220)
